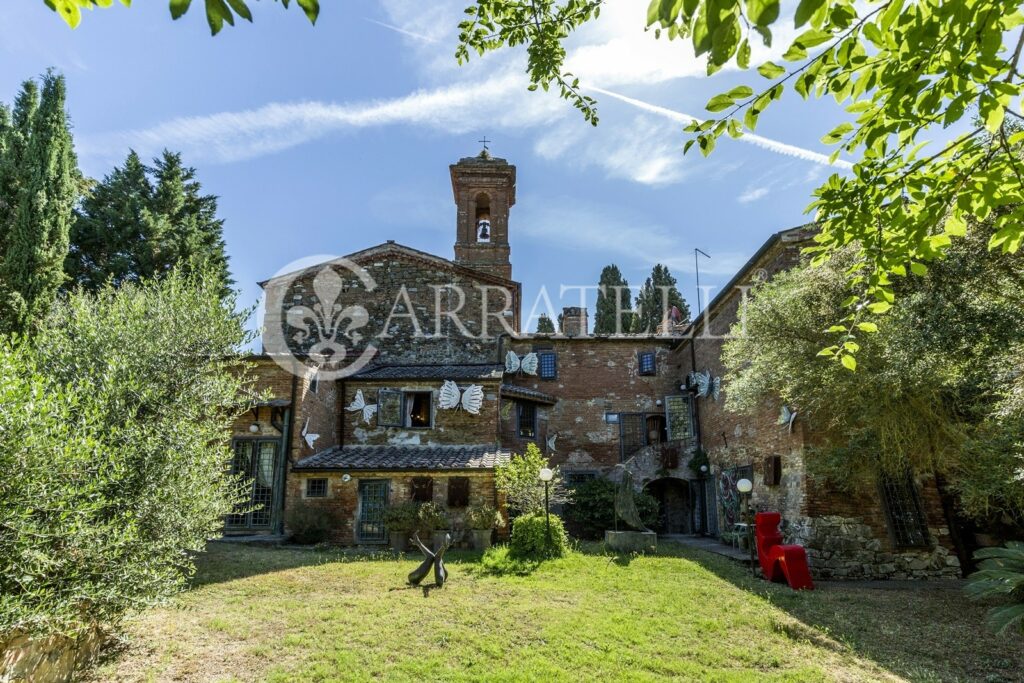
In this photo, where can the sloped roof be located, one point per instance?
(401, 457)
(513, 391)
(452, 372)
(395, 249)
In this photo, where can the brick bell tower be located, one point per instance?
(485, 190)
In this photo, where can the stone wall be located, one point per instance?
(454, 426)
(342, 499)
(406, 324)
(596, 376)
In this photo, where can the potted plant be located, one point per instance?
(434, 519)
(401, 520)
(481, 520)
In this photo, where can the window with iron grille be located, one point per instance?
(679, 417)
(316, 488)
(632, 434)
(547, 364)
(458, 492)
(646, 363)
(422, 489)
(573, 478)
(903, 509)
(527, 423)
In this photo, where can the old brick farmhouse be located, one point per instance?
(439, 384)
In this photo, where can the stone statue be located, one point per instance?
(625, 503)
(431, 559)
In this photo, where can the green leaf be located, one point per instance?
(879, 307)
(241, 9)
(741, 92)
(870, 328)
(805, 10)
(849, 362)
(795, 53)
(918, 269)
(763, 12)
(743, 55)
(69, 12)
(771, 70)
(724, 41)
(311, 8)
(837, 133)
(179, 7)
(217, 13)
(719, 103)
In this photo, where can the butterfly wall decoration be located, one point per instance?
(551, 442)
(705, 384)
(307, 435)
(527, 364)
(470, 399)
(787, 416)
(359, 403)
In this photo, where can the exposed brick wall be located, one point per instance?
(596, 376)
(343, 497)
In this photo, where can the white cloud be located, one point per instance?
(749, 138)
(752, 195)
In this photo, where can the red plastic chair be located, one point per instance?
(780, 562)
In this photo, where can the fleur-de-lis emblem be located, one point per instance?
(325, 321)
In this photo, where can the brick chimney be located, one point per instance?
(574, 322)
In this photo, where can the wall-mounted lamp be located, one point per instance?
(346, 478)
(658, 402)
(254, 427)
(704, 469)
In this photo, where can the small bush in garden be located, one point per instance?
(1001, 577)
(483, 518)
(310, 524)
(432, 517)
(530, 538)
(592, 511)
(402, 518)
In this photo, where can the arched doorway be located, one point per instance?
(674, 514)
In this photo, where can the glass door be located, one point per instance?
(373, 498)
(256, 463)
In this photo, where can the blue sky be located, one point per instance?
(325, 140)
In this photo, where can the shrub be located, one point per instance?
(402, 518)
(432, 517)
(310, 524)
(523, 489)
(1001, 576)
(530, 537)
(115, 420)
(483, 517)
(592, 510)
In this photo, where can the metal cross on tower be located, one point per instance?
(485, 141)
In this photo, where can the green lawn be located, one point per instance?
(289, 614)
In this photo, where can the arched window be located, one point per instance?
(483, 218)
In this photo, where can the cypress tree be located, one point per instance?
(658, 294)
(610, 284)
(142, 222)
(39, 184)
(545, 325)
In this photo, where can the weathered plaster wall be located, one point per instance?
(455, 426)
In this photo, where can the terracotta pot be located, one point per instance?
(482, 538)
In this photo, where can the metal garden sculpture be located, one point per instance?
(625, 503)
(431, 559)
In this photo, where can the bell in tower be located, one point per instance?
(484, 189)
